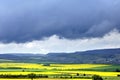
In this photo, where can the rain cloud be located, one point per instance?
(28, 20)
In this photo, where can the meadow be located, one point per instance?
(11, 71)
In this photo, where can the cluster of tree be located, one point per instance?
(117, 70)
(97, 77)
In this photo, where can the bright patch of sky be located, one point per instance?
(56, 44)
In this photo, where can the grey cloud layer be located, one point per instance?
(27, 20)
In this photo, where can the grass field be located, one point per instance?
(108, 72)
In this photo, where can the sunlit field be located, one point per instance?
(74, 71)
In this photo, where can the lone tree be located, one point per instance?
(97, 77)
(46, 64)
(32, 75)
(118, 75)
(77, 74)
(117, 70)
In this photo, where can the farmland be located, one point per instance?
(59, 71)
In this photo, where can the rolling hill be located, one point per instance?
(106, 56)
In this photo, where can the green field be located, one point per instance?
(58, 71)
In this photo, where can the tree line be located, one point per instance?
(32, 75)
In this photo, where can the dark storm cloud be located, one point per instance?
(27, 20)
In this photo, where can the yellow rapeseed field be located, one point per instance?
(62, 68)
(77, 66)
(52, 66)
(20, 65)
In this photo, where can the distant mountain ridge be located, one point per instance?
(106, 56)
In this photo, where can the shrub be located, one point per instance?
(32, 75)
(97, 77)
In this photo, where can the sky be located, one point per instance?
(45, 26)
